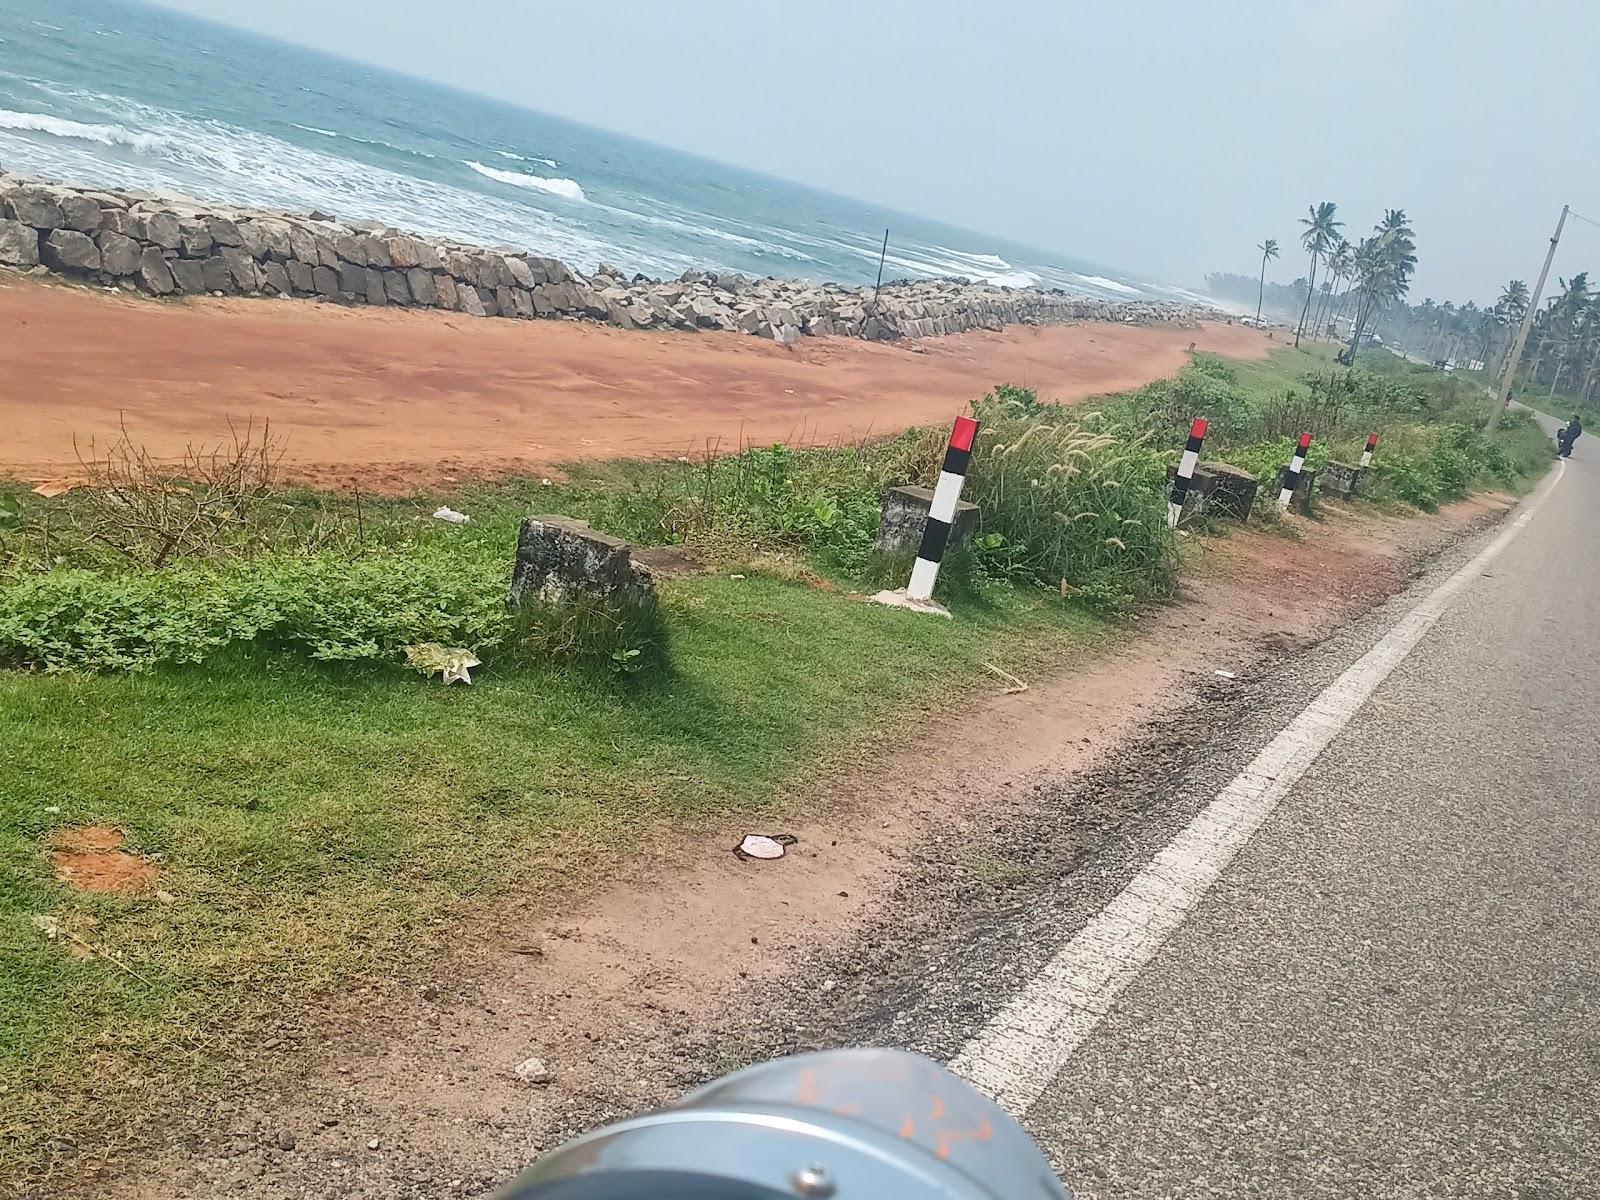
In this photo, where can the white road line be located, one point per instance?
(1028, 1042)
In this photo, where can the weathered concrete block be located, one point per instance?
(1340, 479)
(69, 250)
(1230, 492)
(562, 558)
(905, 513)
(19, 244)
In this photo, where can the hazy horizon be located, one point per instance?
(1248, 120)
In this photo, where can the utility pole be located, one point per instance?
(1527, 324)
(882, 254)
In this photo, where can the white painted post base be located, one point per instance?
(897, 598)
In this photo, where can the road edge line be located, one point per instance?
(1026, 1044)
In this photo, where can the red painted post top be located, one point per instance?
(961, 436)
(1305, 442)
(1198, 429)
(1372, 441)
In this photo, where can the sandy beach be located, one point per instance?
(389, 399)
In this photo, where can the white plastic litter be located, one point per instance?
(451, 662)
(760, 845)
(451, 515)
(1224, 674)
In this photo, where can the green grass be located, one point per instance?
(311, 820)
(1561, 406)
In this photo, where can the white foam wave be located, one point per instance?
(1111, 285)
(314, 129)
(60, 127)
(1015, 279)
(543, 162)
(566, 188)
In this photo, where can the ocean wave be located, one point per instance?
(1111, 285)
(565, 188)
(1015, 279)
(543, 162)
(314, 129)
(387, 145)
(60, 127)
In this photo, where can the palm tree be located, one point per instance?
(1384, 264)
(1555, 325)
(1320, 232)
(1338, 260)
(1508, 311)
(1269, 250)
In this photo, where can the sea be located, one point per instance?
(122, 94)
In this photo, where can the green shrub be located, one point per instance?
(327, 607)
(1412, 479)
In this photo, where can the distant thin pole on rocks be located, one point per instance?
(882, 254)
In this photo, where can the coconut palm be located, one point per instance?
(1269, 250)
(1320, 233)
(1339, 264)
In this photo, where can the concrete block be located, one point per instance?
(1340, 479)
(562, 558)
(905, 512)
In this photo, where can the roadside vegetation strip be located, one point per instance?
(1025, 1046)
(221, 681)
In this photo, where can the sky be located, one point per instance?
(1166, 137)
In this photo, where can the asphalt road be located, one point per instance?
(1394, 989)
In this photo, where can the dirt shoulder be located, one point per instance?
(372, 397)
(687, 964)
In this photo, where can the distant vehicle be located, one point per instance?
(1444, 364)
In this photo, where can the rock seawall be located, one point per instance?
(168, 245)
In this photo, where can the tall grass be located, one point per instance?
(1067, 503)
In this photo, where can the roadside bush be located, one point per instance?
(327, 607)
(730, 507)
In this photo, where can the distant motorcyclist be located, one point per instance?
(1568, 435)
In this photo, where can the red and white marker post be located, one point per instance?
(941, 518)
(1366, 455)
(1186, 465)
(1291, 477)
